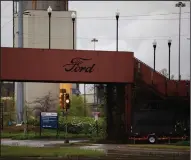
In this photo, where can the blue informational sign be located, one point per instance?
(75, 91)
(49, 120)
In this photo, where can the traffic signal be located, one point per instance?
(62, 101)
(63, 90)
(67, 101)
(62, 98)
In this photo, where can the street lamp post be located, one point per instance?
(169, 45)
(154, 47)
(94, 40)
(180, 5)
(84, 100)
(49, 10)
(73, 16)
(117, 29)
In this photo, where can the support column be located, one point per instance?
(120, 112)
(116, 129)
(128, 112)
(109, 111)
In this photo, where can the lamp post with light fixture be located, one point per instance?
(73, 16)
(117, 29)
(49, 10)
(180, 5)
(154, 47)
(169, 47)
(94, 41)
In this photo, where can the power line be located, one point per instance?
(105, 18)
(113, 19)
(110, 17)
(109, 38)
(159, 14)
(106, 38)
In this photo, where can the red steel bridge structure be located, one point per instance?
(129, 80)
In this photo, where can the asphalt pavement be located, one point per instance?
(34, 143)
(112, 151)
(108, 148)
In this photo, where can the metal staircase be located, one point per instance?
(159, 84)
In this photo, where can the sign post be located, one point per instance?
(49, 120)
(96, 117)
(66, 127)
(2, 109)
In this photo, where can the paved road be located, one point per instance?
(125, 148)
(34, 143)
(108, 148)
(122, 152)
(125, 152)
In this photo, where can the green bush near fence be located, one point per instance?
(183, 143)
(78, 125)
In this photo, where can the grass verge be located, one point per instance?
(18, 151)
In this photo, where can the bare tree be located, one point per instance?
(44, 104)
(165, 73)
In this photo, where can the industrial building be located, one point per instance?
(36, 35)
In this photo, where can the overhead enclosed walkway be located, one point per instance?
(119, 70)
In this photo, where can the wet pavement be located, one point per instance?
(112, 151)
(35, 143)
(109, 149)
(125, 152)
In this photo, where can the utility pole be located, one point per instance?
(20, 85)
(14, 47)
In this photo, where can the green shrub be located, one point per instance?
(34, 122)
(183, 143)
(78, 125)
(81, 125)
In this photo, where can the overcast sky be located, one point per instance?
(139, 24)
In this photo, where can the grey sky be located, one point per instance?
(136, 33)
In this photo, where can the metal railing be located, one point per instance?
(162, 84)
